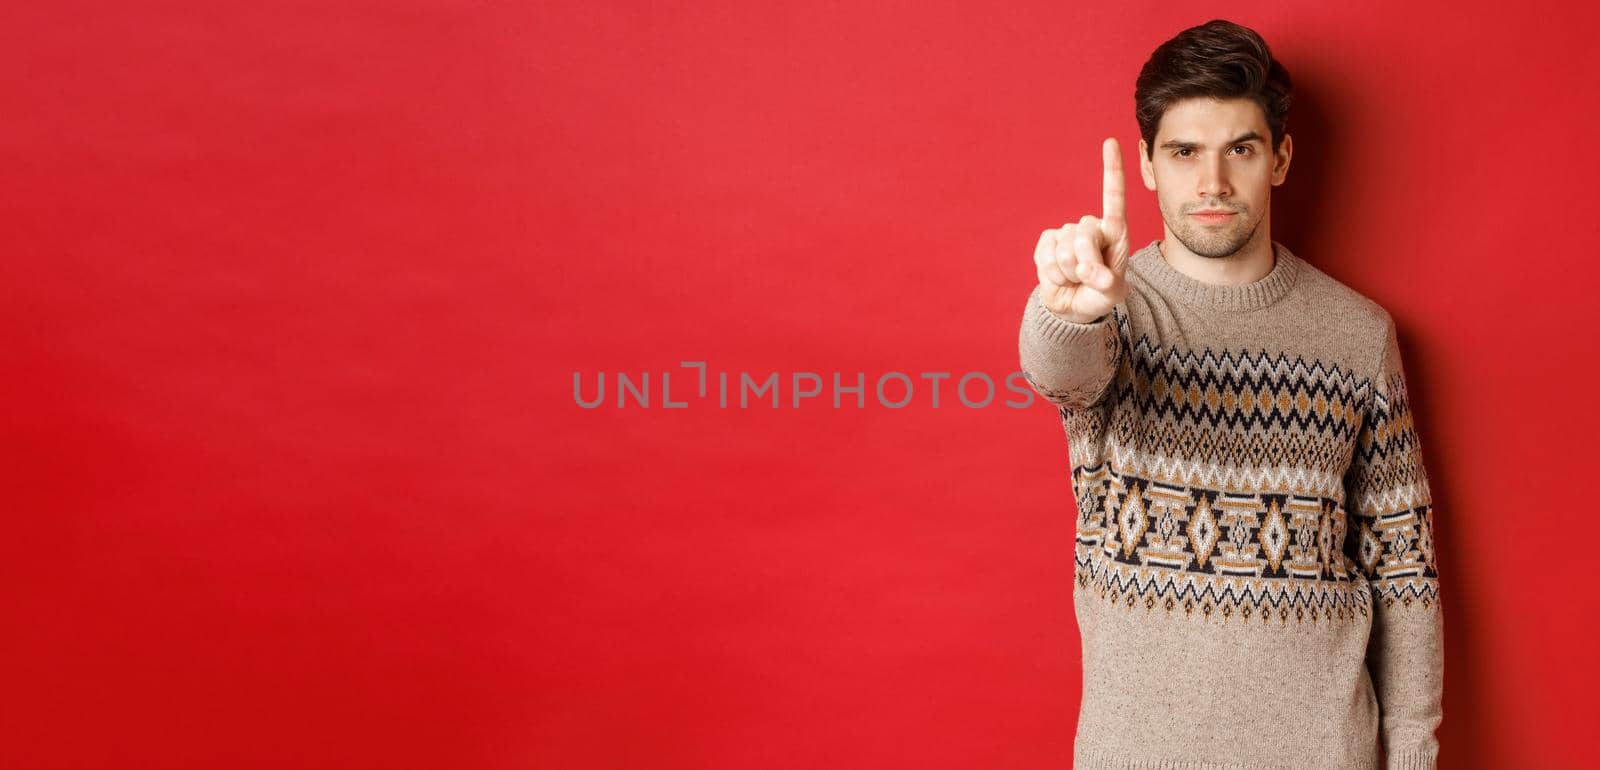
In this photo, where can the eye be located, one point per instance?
(1181, 151)
(1247, 149)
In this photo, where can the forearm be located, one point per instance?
(1407, 666)
(1067, 362)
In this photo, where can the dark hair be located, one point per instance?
(1219, 59)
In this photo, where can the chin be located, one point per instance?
(1219, 251)
(1214, 246)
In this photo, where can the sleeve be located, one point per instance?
(1392, 544)
(1069, 364)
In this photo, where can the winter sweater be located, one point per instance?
(1255, 579)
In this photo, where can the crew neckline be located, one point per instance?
(1270, 288)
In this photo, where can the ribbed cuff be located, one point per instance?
(1412, 760)
(1059, 330)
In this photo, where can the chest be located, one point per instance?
(1238, 408)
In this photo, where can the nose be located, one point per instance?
(1214, 178)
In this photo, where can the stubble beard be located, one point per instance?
(1208, 242)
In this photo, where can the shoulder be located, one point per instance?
(1365, 328)
(1359, 317)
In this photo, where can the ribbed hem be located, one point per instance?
(1059, 330)
(1095, 759)
(1412, 760)
(1286, 269)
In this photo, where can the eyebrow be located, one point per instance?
(1248, 136)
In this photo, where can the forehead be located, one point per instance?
(1208, 120)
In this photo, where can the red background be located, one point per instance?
(293, 295)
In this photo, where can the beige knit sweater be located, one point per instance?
(1256, 583)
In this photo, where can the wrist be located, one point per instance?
(1077, 318)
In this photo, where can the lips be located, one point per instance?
(1213, 217)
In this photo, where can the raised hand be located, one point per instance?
(1082, 265)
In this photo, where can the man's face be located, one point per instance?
(1214, 155)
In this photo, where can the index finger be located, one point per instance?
(1112, 206)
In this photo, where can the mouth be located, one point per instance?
(1213, 217)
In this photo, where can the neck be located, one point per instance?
(1249, 264)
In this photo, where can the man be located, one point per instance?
(1256, 584)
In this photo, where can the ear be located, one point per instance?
(1280, 160)
(1145, 169)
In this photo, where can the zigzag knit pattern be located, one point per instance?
(1210, 421)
